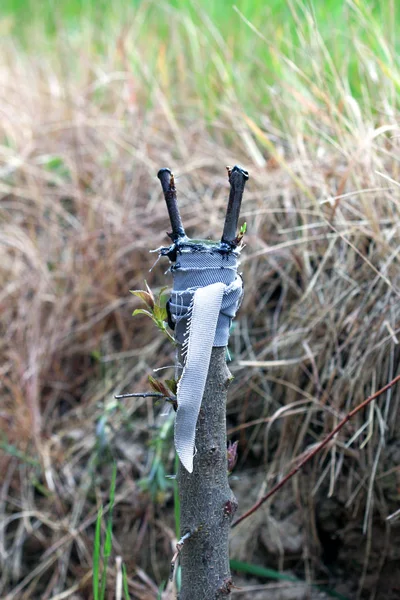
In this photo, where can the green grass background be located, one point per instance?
(216, 49)
(330, 13)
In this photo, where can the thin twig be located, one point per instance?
(394, 515)
(141, 395)
(317, 449)
(179, 546)
(171, 399)
(168, 185)
(237, 179)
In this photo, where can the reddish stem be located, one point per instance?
(315, 451)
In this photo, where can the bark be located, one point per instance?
(237, 180)
(207, 503)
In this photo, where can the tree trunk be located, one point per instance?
(207, 502)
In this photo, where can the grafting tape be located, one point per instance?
(201, 268)
(206, 294)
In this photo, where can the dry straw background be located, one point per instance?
(80, 208)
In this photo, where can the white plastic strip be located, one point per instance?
(201, 331)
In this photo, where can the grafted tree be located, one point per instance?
(206, 294)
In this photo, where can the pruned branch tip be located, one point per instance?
(168, 186)
(237, 179)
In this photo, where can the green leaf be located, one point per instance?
(173, 385)
(161, 293)
(146, 297)
(142, 311)
(243, 228)
(160, 313)
(158, 386)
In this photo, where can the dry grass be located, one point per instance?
(319, 329)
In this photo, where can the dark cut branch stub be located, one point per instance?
(237, 179)
(168, 186)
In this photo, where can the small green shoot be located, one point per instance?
(242, 231)
(172, 385)
(165, 390)
(156, 309)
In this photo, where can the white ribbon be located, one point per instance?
(203, 323)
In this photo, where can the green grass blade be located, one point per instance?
(259, 571)
(108, 540)
(160, 590)
(14, 451)
(125, 582)
(96, 555)
(178, 578)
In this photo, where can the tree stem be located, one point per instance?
(207, 503)
(140, 395)
(237, 180)
(168, 185)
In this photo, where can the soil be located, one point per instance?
(316, 538)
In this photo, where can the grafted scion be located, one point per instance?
(237, 179)
(168, 186)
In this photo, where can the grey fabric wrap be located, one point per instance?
(197, 269)
(206, 295)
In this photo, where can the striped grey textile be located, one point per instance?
(206, 294)
(201, 268)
